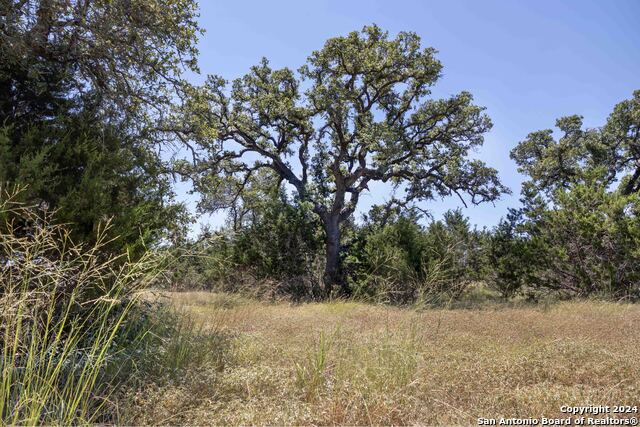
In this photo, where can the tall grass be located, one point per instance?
(310, 374)
(62, 307)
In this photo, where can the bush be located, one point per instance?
(281, 242)
(389, 265)
(588, 244)
(402, 262)
(509, 258)
(275, 254)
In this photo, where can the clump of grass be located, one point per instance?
(190, 345)
(310, 374)
(62, 306)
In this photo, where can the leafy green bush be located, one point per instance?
(90, 173)
(281, 242)
(509, 258)
(589, 243)
(272, 253)
(402, 262)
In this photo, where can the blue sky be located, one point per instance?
(528, 62)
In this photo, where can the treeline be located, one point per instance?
(576, 233)
(92, 97)
(586, 244)
(289, 153)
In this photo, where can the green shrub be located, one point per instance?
(509, 258)
(273, 253)
(588, 244)
(281, 242)
(402, 262)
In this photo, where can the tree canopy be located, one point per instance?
(125, 55)
(601, 155)
(82, 87)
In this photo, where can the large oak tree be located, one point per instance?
(358, 111)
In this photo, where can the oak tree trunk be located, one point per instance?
(332, 256)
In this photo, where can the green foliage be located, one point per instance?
(275, 245)
(88, 175)
(509, 258)
(400, 261)
(581, 235)
(590, 242)
(281, 241)
(81, 87)
(602, 156)
(578, 155)
(122, 56)
(388, 264)
(575, 235)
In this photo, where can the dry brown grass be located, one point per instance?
(350, 363)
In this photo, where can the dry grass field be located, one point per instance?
(351, 363)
